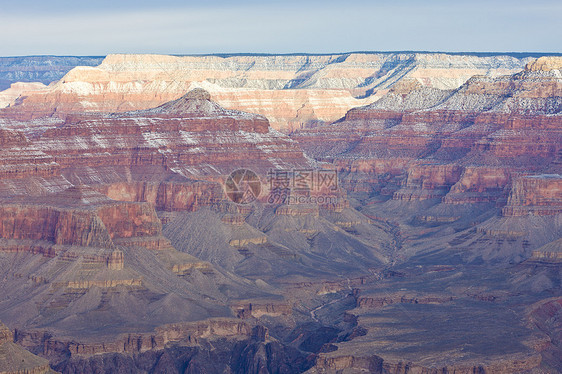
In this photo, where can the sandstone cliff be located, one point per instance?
(16, 360)
(472, 140)
(44, 69)
(292, 91)
(116, 235)
(82, 203)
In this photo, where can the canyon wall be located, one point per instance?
(459, 146)
(292, 91)
(16, 360)
(43, 69)
(83, 201)
(116, 234)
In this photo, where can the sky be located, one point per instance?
(96, 28)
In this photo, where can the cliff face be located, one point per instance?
(150, 155)
(537, 195)
(16, 360)
(10, 95)
(82, 201)
(479, 184)
(292, 91)
(166, 195)
(428, 181)
(44, 69)
(79, 217)
(117, 236)
(474, 139)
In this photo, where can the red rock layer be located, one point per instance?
(462, 146)
(536, 195)
(292, 91)
(136, 343)
(79, 217)
(190, 136)
(168, 146)
(479, 184)
(166, 196)
(427, 181)
(125, 167)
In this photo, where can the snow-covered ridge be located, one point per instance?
(292, 91)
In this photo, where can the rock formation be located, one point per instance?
(81, 203)
(44, 69)
(471, 175)
(536, 194)
(459, 146)
(437, 250)
(190, 136)
(291, 91)
(10, 95)
(101, 212)
(16, 360)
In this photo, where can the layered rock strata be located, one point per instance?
(162, 150)
(44, 69)
(459, 146)
(293, 91)
(81, 202)
(16, 360)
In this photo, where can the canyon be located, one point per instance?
(292, 91)
(123, 248)
(41, 69)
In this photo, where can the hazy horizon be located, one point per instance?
(33, 27)
(226, 54)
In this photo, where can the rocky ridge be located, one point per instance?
(292, 91)
(84, 220)
(43, 69)
(448, 206)
(101, 212)
(16, 360)
(468, 145)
